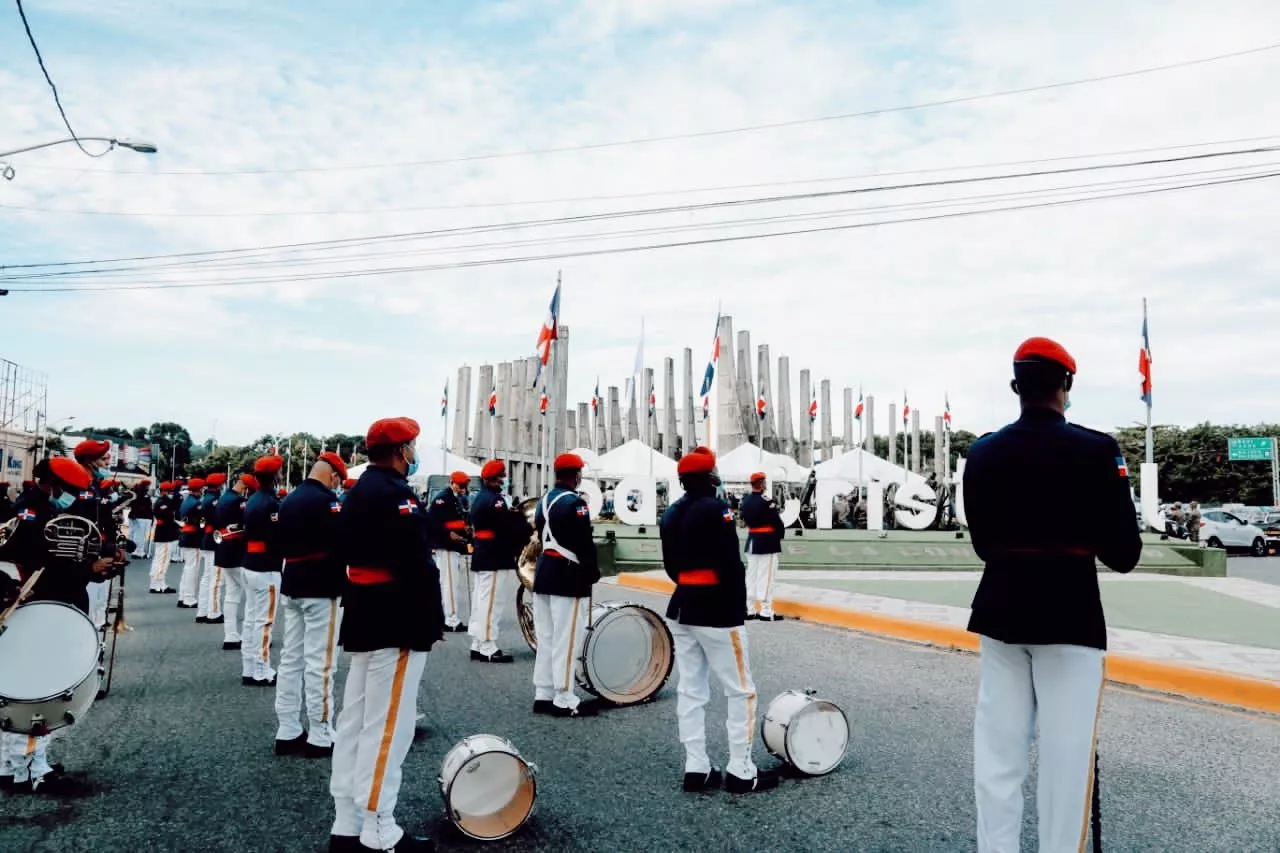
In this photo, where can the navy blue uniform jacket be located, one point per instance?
(571, 526)
(140, 509)
(382, 528)
(189, 515)
(700, 542)
(764, 525)
(208, 519)
(63, 580)
(447, 515)
(1045, 500)
(260, 523)
(229, 510)
(308, 537)
(166, 512)
(501, 532)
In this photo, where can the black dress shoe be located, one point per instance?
(248, 681)
(764, 781)
(311, 750)
(293, 746)
(586, 708)
(777, 617)
(751, 616)
(345, 844)
(497, 657)
(543, 706)
(168, 590)
(231, 646)
(696, 782)
(184, 606)
(200, 620)
(414, 844)
(209, 620)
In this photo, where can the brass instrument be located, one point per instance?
(7, 530)
(526, 568)
(231, 529)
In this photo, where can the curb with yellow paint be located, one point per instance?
(1255, 694)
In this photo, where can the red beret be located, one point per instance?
(90, 449)
(26, 484)
(348, 483)
(195, 483)
(460, 478)
(335, 462)
(268, 465)
(1046, 349)
(568, 462)
(70, 472)
(493, 469)
(758, 476)
(250, 481)
(142, 483)
(392, 431)
(217, 478)
(700, 460)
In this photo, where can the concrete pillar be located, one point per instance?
(726, 420)
(615, 419)
(893, 435)
(763, 371)
(633, 416)
(560, 380)
(517, 418)
(602, 424)
(786, 433)
(461, 411)
(848, 420)
(825, 405)
(505, 413)
(585, 430)
(915, 441)
(869, 425)
(747, 390)
(570, 430)
(805, 454)
(649, 433)
(938, 470)
(483, 434)
(690, 432)
(670, 435)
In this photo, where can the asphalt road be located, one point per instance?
(1266, 569)
(179, 758)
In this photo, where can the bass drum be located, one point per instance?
(50, 667)
(488, 787)
(628, 653)
(812, 735)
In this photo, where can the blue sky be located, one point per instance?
(935, 308)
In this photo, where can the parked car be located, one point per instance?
(1221, 529)
(1271, 529)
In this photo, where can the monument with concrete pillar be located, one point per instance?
(768, 430)
(805, 456)
(848, 420)
(670, 438)
(649, 434)
(786, 431)
(461, 411)
(727, 424)
(825, 406)
(746, 390)
(689, 435)
(893, 435)
(915, 441)
(615, 419)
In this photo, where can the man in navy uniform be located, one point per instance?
(347, 485)
(567, 570)
(262, 564)
(700, 553)
(140, 517)
(449, 529)
(1037, 606)
(228, 518)
(314, 574)
(392, 618)
(189, 542)
(209, 596)
(764, 548)
(501, 532)
(165, 536)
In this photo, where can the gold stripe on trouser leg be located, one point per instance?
(573, 632)
(493, 597)
(326, 677)
(740, 658)
(270, 620)
(388, 730)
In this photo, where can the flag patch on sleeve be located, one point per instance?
(582, 510)
(728, 515)
(408, 506)
(1123, 468)
(26, 515)
(334, 506)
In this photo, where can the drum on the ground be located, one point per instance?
(812, 735)
(627, 655)
(50, 667)
(488, 787)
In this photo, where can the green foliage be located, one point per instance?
(1194, 466)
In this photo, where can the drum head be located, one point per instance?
(47, 648)
(628, 654)
(817, 738)
(491, 796)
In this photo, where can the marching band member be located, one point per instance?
(1037, 607)
(500, 533)
(347, 486)
(567, 570)
(450, 549)
(228, 516)
(189, 542)
(140, 519)
(165, 536)
(313, 578)
(700, 553)
(209, 597)
(393, 617)
(261, 575)
(764, 548)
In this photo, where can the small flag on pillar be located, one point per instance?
(444, 401)
(1144, 359)
(906, 408)
(549, 332)
(595, 399)
(493, 402)
(946, 412)
(706, 407)
(813, 410)
(857, 412)
(542, 403)
(653, 404)
(761, 407)
(710, 373)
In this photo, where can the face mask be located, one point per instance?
(99, 473)
(63, 501)
(413, 466)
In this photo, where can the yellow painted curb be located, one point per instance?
(1255, 694)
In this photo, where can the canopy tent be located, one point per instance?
(634, 459)
(845, 467)
(739, 464)
(430, 462)
(589, 457)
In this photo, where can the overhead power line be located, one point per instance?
(703, 134)
(351, 274)
(338, 243)
(56, 99)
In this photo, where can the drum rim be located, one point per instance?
(93, 667)
(652, 616)
(446, 791)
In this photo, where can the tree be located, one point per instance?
(106, 432)
(1193, 463)
(174, 443)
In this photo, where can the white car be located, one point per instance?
(1221, 529)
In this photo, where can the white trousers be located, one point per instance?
(24, 757)
(561, 626)
(98, 597)
(209, 597)
(160, 560)
(140, 533)
(261, 594)
(307, 663)
(455, 585)
(1060, 687)
(493, 606)
(722, 652)
(762, 569)
(375, 730)
(189, 586)
(233, 582)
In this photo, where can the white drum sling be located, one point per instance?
(812, 735)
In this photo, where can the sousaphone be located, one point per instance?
(526, 568)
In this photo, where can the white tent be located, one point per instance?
(590, 457)
(429, 463)
(739, 464)
(635, 458)
(845, 467)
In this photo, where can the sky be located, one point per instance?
(286, 123)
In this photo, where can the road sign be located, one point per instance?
(1257, 449)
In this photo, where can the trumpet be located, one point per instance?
(7, 530)
(232, 530)
(118, 508)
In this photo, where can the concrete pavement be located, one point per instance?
(178, 758)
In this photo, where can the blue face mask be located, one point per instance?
(99, 473)
(63, 501)
(413, 468)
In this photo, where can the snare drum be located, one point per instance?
(812, 735)
(627, 654)
(50, 667)
(488, 788)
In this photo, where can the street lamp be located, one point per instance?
(8, 172)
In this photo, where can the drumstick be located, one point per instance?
(22, 595)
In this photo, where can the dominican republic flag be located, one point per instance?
(706, 407)
(711, 365)
(946, 412)
(493, 402)
(857, 411)
(906, 409)
(26, 515)
(1124, 469)
(762, 408)
(595, 399)
(334, 506)
(550, 332)
(813, 410)
(653, 404)
(444, 402)
(408, 506)
(542, 403)
(1144, 359)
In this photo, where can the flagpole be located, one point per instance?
(1150, 448)
(444, 430)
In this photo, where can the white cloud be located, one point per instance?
(933, 307)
